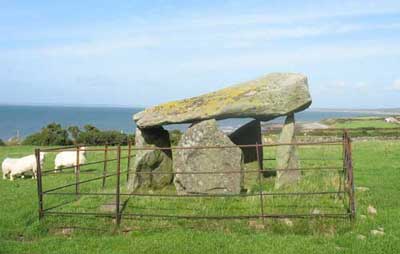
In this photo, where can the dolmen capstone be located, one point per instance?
(266, 98)
(263, 99)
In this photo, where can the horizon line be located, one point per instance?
(141, 106)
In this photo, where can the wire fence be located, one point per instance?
(345, 189)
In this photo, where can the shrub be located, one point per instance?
(2, 143)
(52, 134)
(93, 136)
(113, 137)
(74, 133)
(102, 138)
(131, 138)
(89, 136)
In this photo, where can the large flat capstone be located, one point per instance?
(192, 162)
(268, 97)
(152, 168)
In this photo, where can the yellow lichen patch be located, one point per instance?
(209, 102)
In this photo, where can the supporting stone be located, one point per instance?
(206, 133)
(159, 161)
(287, 156)
(248, 134)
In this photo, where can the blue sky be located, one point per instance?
(134, 53)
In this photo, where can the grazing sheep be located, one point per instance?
(7, 166)
(19, 166)
(391, 120)
(68, 159)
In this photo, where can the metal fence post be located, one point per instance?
(77, 169)
(346, 167)
(105, 166)
(344, 137)
(342, 174)
(128, 164)
(350, 179)
(117, 194)
(39, 183)
(119, 205)
(259, 162)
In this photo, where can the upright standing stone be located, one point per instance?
(248, 134)
(286, 155)
(148, 161)
(187, 161)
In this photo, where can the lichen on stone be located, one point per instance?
(265, 98)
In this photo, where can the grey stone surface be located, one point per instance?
(206, 133)
(287, 155)
(265, 98)
(248, 134)
(159, 161)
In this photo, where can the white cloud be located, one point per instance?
(315, 13)
(272, 58)
(396, 85)
(188, 37)
(361, 85)
(220, 47)
(99, 47)
(251, 27)
(338, 84)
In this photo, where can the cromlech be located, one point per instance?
(263, 99)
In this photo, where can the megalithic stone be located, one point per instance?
(249, 134)
(148, 161)
(287, 155)
(214, 162)
(265, 98)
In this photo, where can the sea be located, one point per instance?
(24, 120)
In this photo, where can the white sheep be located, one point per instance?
(68, 159)
(19, 166)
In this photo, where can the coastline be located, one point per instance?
(25, 120)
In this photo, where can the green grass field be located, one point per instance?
(360, 122)
(376, 166)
